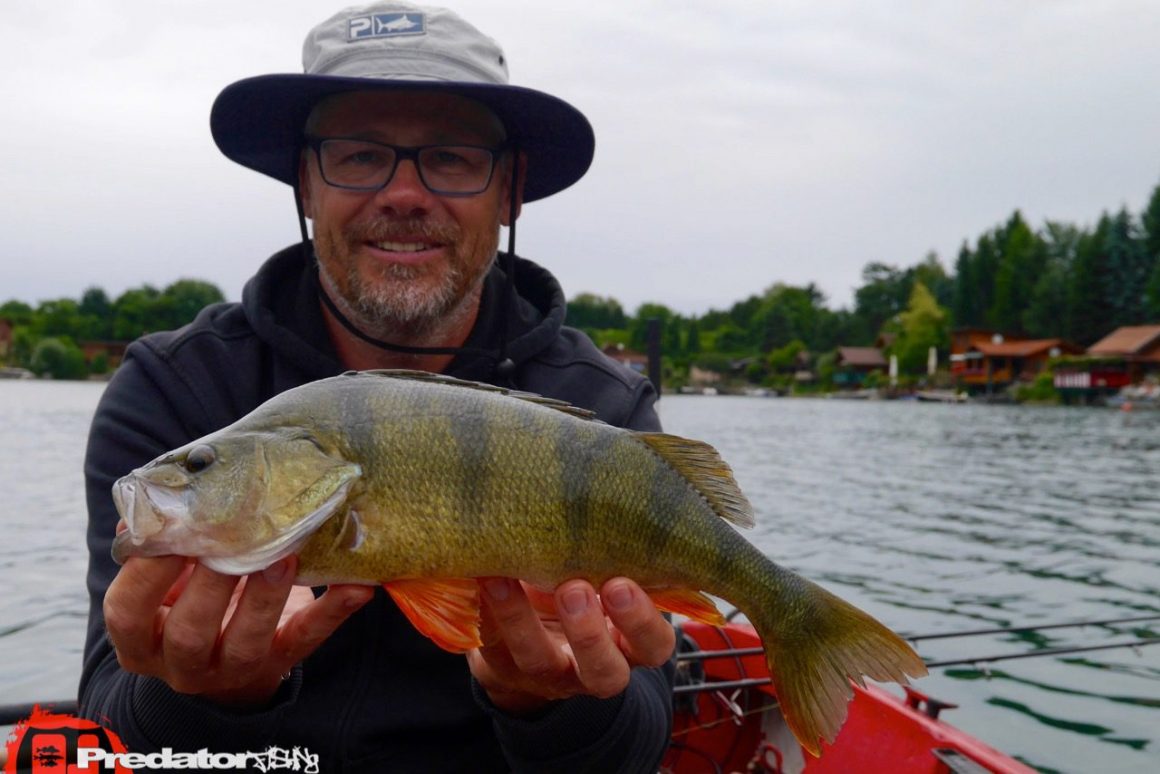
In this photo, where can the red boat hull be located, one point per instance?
(740, 729)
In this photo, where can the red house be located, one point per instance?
(982, 359)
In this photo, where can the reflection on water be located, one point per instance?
(940, 518)
(934, 518)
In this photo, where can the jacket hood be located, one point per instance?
(281, 303)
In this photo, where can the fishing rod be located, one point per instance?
(703, 654)
(754, 682)
(1023, 629)
(1045, 652)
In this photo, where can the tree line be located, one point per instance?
(1059, 281)
(46, 338)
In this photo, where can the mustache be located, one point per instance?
(383, 230)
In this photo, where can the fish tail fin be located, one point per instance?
(816, 651)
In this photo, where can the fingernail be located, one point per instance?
(497, 588)
(575, 601)
(275, 572)
(619, 597)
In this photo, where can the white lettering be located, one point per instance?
(87, 755)
(359, 27)
(271, 759)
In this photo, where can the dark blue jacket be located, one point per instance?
(377, 696)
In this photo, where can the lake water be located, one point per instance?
(935, 518)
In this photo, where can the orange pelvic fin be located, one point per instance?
(444, 609)
(693, 604)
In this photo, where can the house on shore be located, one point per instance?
(1137, 346)
(854, 364)
(1126, 356)
(635, 360)
(986, 361)
(114, 352)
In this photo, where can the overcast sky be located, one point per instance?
(738, 143)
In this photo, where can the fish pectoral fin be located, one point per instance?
(693, 604)
(444, 609)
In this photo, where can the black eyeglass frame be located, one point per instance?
(402, 153)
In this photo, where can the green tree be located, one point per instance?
(589, 311)
(23, 343)
(638, 325)
(785, 359)
(58, 358)
(671, 336)
(180, 302)
(97, 310)
(933, 274)
(975, 283)
(787, 313)
(59, 317)
(1020, 259)
(17, 312)
(1129, 270)
(882, 295)
(921, 326)
(1150, 221)
(693, 338)
(1153, 293)
(729, 339)
(100, 364)
(1090, 315)
(965, 306)
(133, 313)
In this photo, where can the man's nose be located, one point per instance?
(405, 193)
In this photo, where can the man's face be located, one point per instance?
(403, 257)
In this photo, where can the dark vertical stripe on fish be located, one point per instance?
(473, 446)
(577, 472)
(665, 505)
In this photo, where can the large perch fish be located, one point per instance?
(423, 483)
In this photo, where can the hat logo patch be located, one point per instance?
(386, 25)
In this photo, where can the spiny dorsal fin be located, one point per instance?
(451, 381)
(706, 471)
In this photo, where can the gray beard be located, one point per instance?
(397, 305)
(397, 310)
(402, 304)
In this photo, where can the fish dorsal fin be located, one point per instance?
(710, 475)
(451, 381)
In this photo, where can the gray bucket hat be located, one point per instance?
(258, 122)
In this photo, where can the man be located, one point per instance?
(407, 149)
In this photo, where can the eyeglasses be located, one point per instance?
(362, 165)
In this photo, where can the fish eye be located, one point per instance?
(199, 458)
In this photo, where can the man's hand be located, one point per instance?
(227, 639)
(578, 644)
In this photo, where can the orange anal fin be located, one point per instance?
(444, 609)
(693, 604)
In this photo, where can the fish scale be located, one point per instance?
(424, 483)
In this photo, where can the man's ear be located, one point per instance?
(506, 191)
(304, 185)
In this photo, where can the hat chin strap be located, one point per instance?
(504, 367)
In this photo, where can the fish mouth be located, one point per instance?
(144, 510)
